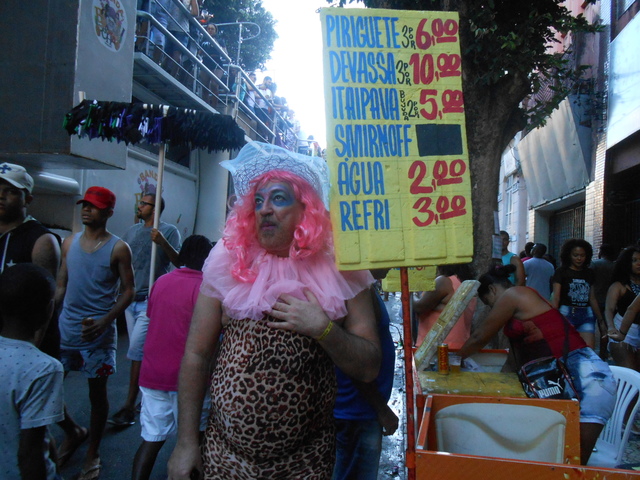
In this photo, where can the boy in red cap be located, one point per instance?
(95, 285)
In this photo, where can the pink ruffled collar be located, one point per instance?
(278, 275)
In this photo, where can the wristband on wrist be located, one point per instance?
(326, 332)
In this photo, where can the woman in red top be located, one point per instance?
(536, 330)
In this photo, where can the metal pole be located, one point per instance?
(156, 215)
(239, 85)
(239, 44)
(410, 454)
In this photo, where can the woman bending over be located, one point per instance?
(537, 330)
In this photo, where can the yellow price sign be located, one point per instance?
(396, 140)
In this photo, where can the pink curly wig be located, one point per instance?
(311, 236)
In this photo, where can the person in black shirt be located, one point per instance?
(573, 292)
(22, 238)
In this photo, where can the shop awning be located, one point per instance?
(556, 158)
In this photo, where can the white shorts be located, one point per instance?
(159, 414)
(633, 335)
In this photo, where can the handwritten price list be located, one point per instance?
(396, 138)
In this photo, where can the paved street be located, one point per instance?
(393, 447)
(119, 445)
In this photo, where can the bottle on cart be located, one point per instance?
(443, 359)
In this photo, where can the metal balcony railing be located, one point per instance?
(219, 86)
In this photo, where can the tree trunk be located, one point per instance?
(493, 117)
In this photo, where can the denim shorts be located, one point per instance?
(157, 37)
(595, 384)
(137, 326)
(93, 363)
(580, 317)
(171, 47)
(633, 335)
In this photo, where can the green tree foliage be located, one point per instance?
(254, 52)
(505, 41)
(504, 60)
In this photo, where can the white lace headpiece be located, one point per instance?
(257, 158)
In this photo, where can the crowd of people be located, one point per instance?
(546, 310)
(256, 352)
(246, 336)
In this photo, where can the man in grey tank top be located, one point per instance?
(95, 285)
(139, 238)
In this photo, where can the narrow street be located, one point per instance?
(119, 445)
(451, 132)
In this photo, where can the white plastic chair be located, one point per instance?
(614, 437)
(522, 432)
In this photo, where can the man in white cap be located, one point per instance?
(22, 237)
(25, 240)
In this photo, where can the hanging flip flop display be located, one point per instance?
(155, 124)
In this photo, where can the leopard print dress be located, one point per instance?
(272, 407)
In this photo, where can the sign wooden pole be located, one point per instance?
(410, 457)
(156, 216)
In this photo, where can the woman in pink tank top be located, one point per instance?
(430, 305)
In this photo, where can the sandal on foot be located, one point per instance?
(91, 473)
(123, 418)
(63, 457)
